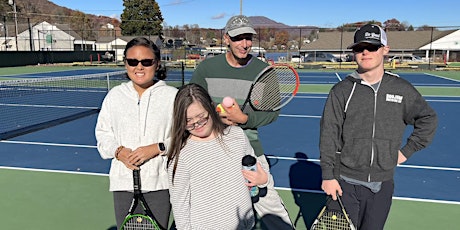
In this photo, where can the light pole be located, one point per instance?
(13, 3)
(241, 7)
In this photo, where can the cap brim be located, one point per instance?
(364, 41)
(242, 30)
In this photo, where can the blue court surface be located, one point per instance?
(291, 143)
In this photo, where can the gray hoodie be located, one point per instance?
(362, 127)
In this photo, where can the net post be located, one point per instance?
(183, 73)
(108, 82)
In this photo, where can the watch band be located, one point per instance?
(118, 151)
(161, 147)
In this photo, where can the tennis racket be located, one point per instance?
(332, 217)
(273, 88)
(139, 221)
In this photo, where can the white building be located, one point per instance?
(118, 44)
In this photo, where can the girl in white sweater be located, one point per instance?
(134, 121)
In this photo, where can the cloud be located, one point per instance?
(219, 16)
(117, 16)
(177, 2)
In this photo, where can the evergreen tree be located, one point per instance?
(141, 17)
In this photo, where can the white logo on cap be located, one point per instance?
(372, 35)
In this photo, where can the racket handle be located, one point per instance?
(137, 180)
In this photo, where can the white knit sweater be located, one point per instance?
(125, 119)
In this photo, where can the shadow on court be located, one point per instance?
(304, 176)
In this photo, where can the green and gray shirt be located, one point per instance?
(221, 79)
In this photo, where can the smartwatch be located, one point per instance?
(161, 147)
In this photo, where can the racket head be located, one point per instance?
(332, 218)
(274, 87)
(139, 222)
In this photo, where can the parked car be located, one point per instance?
(321, 57)
(350, 57)
(296, 58)
(405, 58)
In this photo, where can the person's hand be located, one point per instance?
(124, 156)
(332, 187)
(258, 177)
(142, 154)
(401, 158)
(233, 115)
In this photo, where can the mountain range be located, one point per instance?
(264, 22)
(44, 10)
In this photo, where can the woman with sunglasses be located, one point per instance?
(207, 185)
(134, 121)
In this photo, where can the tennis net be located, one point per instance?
(33, 104)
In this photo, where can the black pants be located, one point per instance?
(367, 210)
(158, 202)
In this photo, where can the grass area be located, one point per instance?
(454, 64)
(78, 201)
(45, 200)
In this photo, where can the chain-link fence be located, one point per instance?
(417, 44)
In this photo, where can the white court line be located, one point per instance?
(338, 76)
(449, 101)
(269, 156)
(47, 144)
(54, 171)
(49, 106)
(438, 76)
(311, 97)
(395, 198)
(277, 188)
(400, 166)
(299, 116)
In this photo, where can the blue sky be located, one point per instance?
(331, 13)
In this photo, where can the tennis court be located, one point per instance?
(55, 174)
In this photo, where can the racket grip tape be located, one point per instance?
(137, 180)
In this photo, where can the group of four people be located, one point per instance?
(190, 155)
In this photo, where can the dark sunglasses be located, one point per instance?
(144, 62)
(370, 48)
(240, 37)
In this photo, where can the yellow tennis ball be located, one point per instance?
(334, 217)
(220, 109)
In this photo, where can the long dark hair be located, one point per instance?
(186, 95)
(160, 73)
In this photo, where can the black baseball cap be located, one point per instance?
(372, 34)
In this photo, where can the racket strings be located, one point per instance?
(274, 88)
(333, 220)
(140, 223)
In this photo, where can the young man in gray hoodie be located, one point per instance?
(362, 127)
